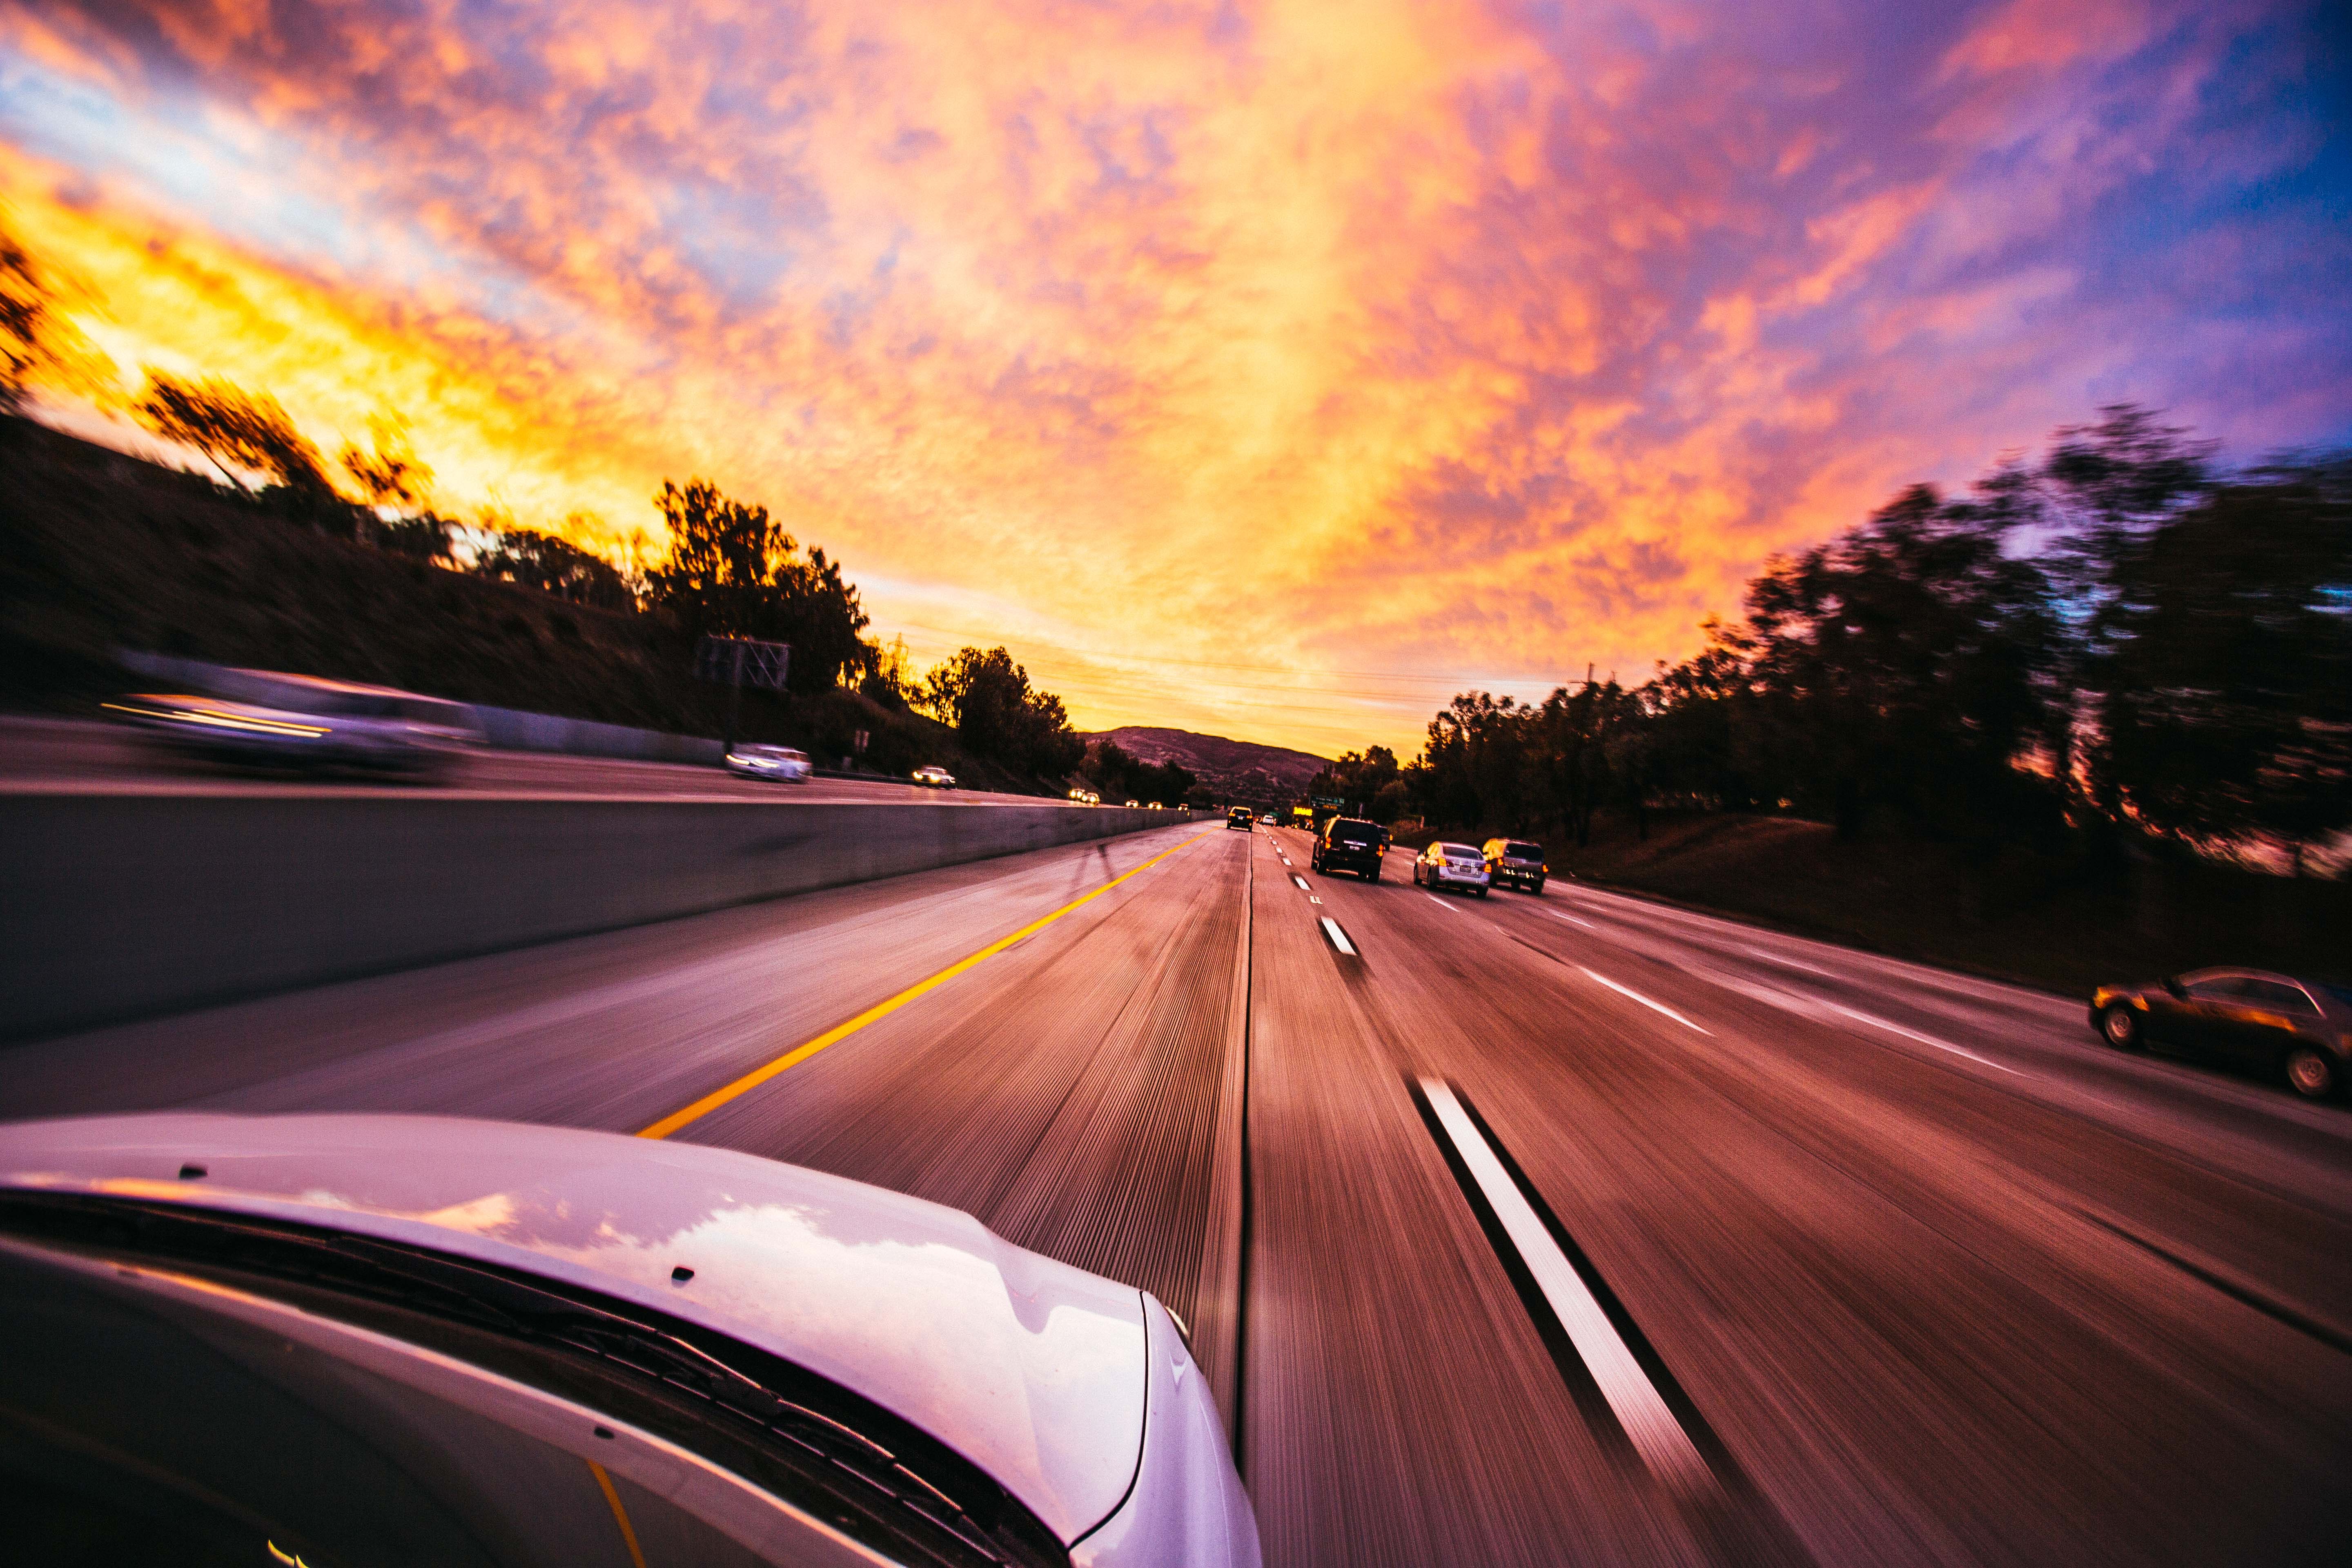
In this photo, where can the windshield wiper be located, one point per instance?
(874, 1476)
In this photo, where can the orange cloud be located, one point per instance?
(1271, 370)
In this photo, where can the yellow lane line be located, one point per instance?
(840, 1032)
(620, 1515)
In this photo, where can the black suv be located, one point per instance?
(1349, 844)
(1517, 862)
(1240, 817)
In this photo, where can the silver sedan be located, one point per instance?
(390, 1339)
(1443, 865)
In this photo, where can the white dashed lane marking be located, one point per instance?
(1656, 1435)
(1628, 991)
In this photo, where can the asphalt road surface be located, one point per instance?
(49, 756)
(1514, 1230)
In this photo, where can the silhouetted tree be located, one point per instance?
(36, 341)
(391, 476)
(231, 426)
(733, 569)
(556, 566)
(2224, 673)
(988, 698)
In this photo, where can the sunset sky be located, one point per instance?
(1274, 370)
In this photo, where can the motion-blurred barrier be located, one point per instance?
(508, 728)
(127, 905)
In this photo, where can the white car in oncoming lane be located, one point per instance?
(770, 762)
(1443, 865)
(377, 1339)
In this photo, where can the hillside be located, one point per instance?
(1240, 770)
(100, 552)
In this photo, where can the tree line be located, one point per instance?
(730, 569)
(2115, 640)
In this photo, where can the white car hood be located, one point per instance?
(1033, 1370)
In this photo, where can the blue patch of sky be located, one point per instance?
(182, 155)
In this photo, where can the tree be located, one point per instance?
(2224, 681)
(1899, 664)
(391, 476)
(557, 566)
(987, 697)
(37, 343)
(1364, 779)
(732, 570)
(231, 426)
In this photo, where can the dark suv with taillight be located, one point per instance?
(1517, 862)
(1349, 844)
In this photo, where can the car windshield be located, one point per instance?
(166, 1392)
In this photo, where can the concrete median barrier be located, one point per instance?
(115, 907)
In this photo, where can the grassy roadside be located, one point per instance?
(1952, 905)
(100, 552)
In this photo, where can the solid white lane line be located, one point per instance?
(1338, 937)
(1645, 1001)
(1657, 1436)
(1300, 880)
(1441, 903)
(1574, 921)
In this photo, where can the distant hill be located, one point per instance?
(1240, 770)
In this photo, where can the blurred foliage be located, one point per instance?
(1118, 777)
(995, 711)
(39, 346)
(734, 571)
(2115, 646)
(534, 559)
(231, 426)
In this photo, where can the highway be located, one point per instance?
(84, 756)
(1510, 1230)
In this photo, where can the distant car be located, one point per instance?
(1349, 844)
(1240, 817)
(1092, 799)
(1079, 796)
(1132, 803)
(311, 725)
(934, 778)
(770, 762)
(1517, 862)
(2299, 1029)
(388, 1340)
(1154, 806)
(1443, 865)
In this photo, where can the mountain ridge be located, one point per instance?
(1243, 769)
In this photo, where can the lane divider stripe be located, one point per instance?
(880, 1010)
(1656, 1435)
(1441, 903)
(1645, 1001)
(1338, 937)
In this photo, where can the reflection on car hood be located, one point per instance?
(1032, 1369)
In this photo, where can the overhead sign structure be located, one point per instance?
(732, 661)
(742, 661)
